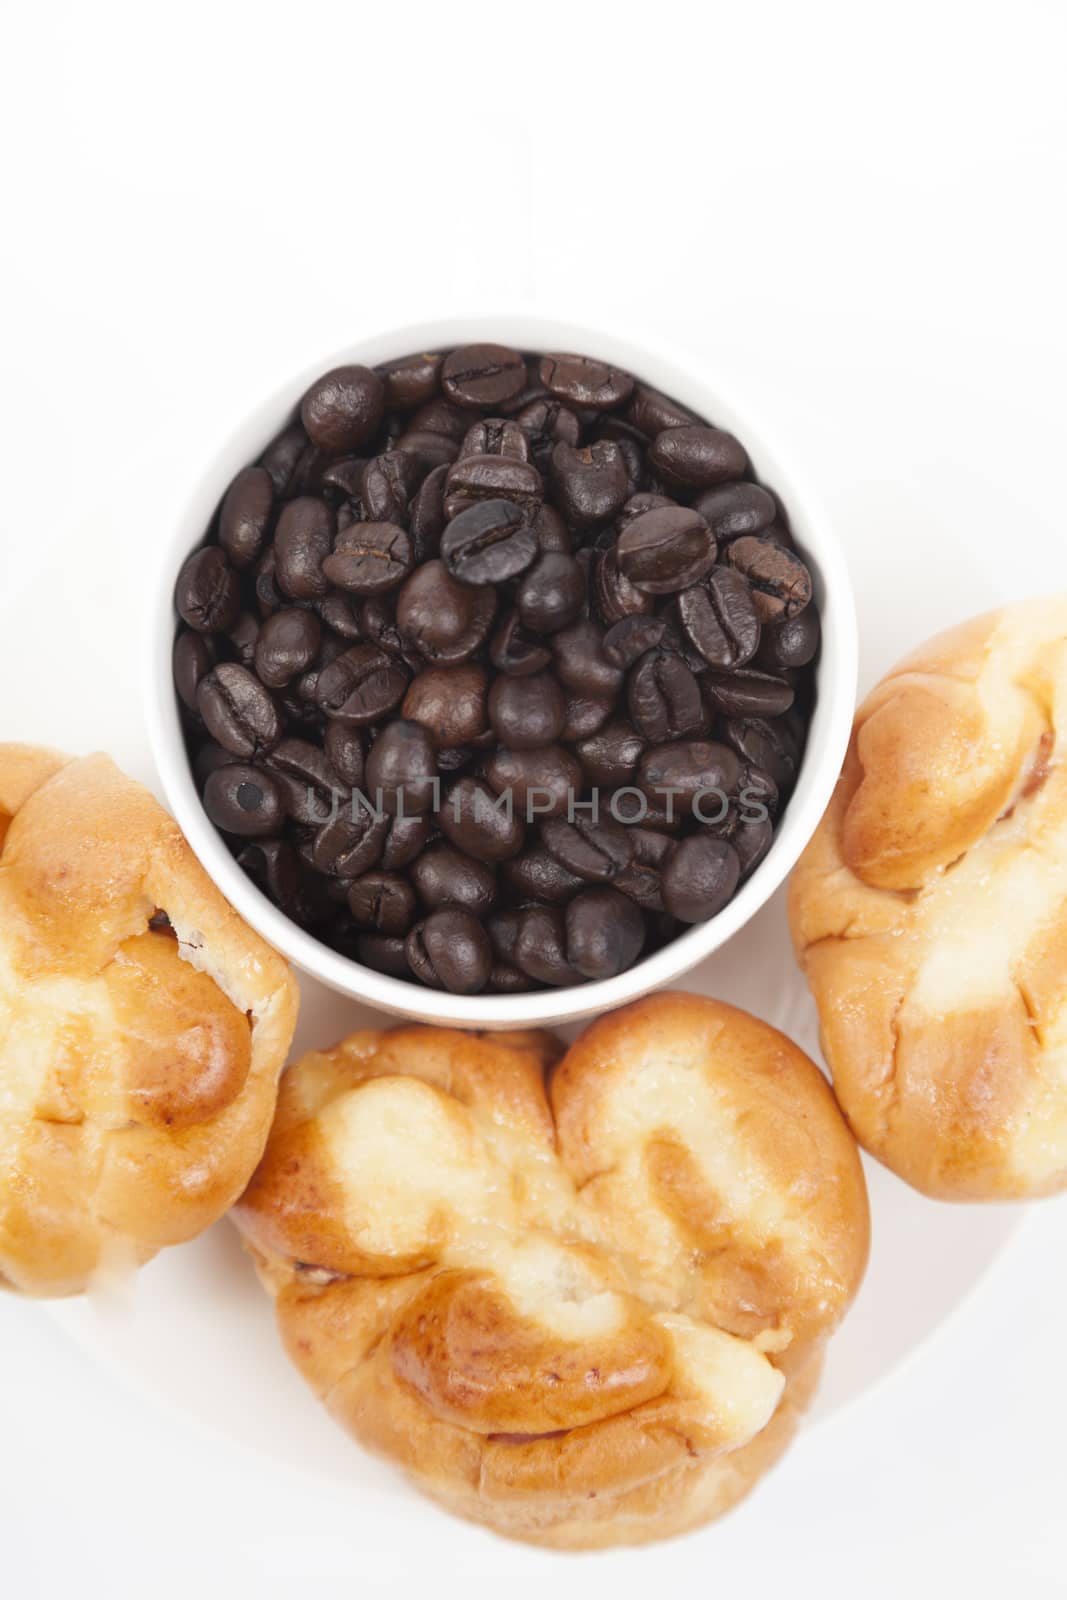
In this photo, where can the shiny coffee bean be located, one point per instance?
(779, 580)
(426, 521)
(536, 875)
(302, 541)
(344, 750)
(666, 550)
(766, 744)
(594, 851)
(733, 510)
(311, 789)
(450, 950)
(338, 613)
(651, 412)
(584, 716)
(194, 656)
(405, 837)
(580, 663)
(546, 423)
(286, 645)
(513, 651)
(553, 535)
(473, 479)
(503, 929)
(746, 693)
(238, 711)
(242, 638)
(542, 782)
(614, 596)
(629, 639)
(384, 902)
(361, 685)
(719, 619)
(488, 543)
(370, 558)
(496, 436)
(700, 770)
(551, 594)
(791, 644)
(411, 381)
(442, 619)
(637, 505)
(696, 457)
(482, 375)
(604, 933)
(527, 713)
(387, 483)
(381, 954)
(402, 769)
(267, 594)
(582, 381)
(450, 703)
(609, 756)
(651, 847)
(281, 457)
(244, 800)
(590, 483)
(641, 884)
(343, 409)
(480, 823)
(439, 416)
(699, 876)
(245, 516)
(540, 947)
(208, 592)
(350, 844)
(663, 698)
(444, 876)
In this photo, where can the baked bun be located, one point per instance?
(586, 1312)
(930, 912)
(139, 1058)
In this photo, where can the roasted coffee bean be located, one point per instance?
(342, 480)
(614, 596)
(697, 457)
(507, 980)
(663, 697)
(450, 950)
(370, 558)
(488, 543)
(665, 550)
(651, 847)
(338, 613)
(245, 515)
(194, 656)
(302, 541)
(427, 519)
(551, 594)
(343, 408)
(483, 375)
(651, 412)
(450, 703)
(387, 484)
(751, 839)
(590, 482)
(480, 823)
(286, 645)
(699, 876)
(238, 711)
(382, 901)
(546, 423)
(244, 800)
(692, 770)
(378, 624)
(503, 929)
(438, 416)
(779, 580)
(641, 884)
(581, 381)
(402, 769)
(512, 651)
(596, 851)
(442, 619)
(495, 436)
(629, 639)
(636, 507)
(527, 712)
(381, 954)
(268, 595)
(243, 637)
(345, 753)
(312, 791)
(542, 782)
(351, 843)
(551, 530)
(791, 644)
(535, 875)
(604, 933)
(580, 663)
(584, 715)
(405, 837)
(540, 947)
(411, 381)
(428, 450)
(746, 693)
(361, 685)
(733, 510)
(718, 618)
(445, 876)
(280, 458)
(208, 591)
(472, 479)
(766, 744)
(609, 756)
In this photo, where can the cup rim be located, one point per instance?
(665, 369)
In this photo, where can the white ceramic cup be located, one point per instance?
(683, 380)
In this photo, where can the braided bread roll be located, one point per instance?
(582, 1314)
(930, 912)
(138, 1063)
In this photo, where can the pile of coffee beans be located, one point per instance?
(496, 668)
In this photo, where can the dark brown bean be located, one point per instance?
(445, 876)
(479, 823)
(580, 663)
(450, 950)
(582, 381)
(482, 375)
(343, 408)
(790, 644)
(245, 515)
(302, 541)
(527, 713)
(194, 657)
(384, 902)
(590, 483)
(665, 550)
(663, 698)
(627, 640)
(535, 875)
(542, 782)
(596, 851)
(779, 580)
(402, 769)
(361, 685)
(245, 801)
(512, 651)
(286, 645)
(746, 693)
(697, 457)
(208, 592)
(442, 619)
(238, 711)
(411, 381)
(719, 619)
(488, 543)
(370, 558)
(733, 510)
(604, 933)
(551, 593)
(450, 703)
(689, 769)
(699, 876)
(609, 756)
(540, 947)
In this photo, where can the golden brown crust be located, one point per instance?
(583, 1303)
(930, 910)
(139, 1064)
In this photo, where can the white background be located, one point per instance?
(852, 213)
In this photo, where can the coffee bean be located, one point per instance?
(404, 838)
(243, 800)
(614, 596)
(609, 756)
(580, 663)
(546, 423)
(343, 408)
(514, 652)
(442, 619)
(286, 644)
(733, 510)
(450, 950)
(595, 851)
(627, 640)
(382, 901)
(344, 751)
(280, 458)
(652, 412)
(482, 375)
(766, 744)
(361, 685)
(496, 436)
(551, 593)
(438, 416)
(718, 617)
(641, 884)
(604, 933)
(553, 536)
(384, 955)
(267, 594)
(699, 876)
(697, 457)
(540, 947)
(243, 638)
(527, 712)
(245, 515)
(542, 782)
(472, 479)
(208, 592)
(411, 381)
(700, 770)
(194, 657)
(746, 693)
(590, 482)
(790, 644)
(445, 876)
(402, 769)
(663, 697)
(478, 823)
(238, 711)
(584, 715)
(779, 580)
(488, 543)
(651, 848)
(449, 702)
(665, 550)
(581, 381)
(311, 788)
(351, 843)
(302, 541)
(507, 980)
(636, 507)
(370, 558)
(535, 875)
